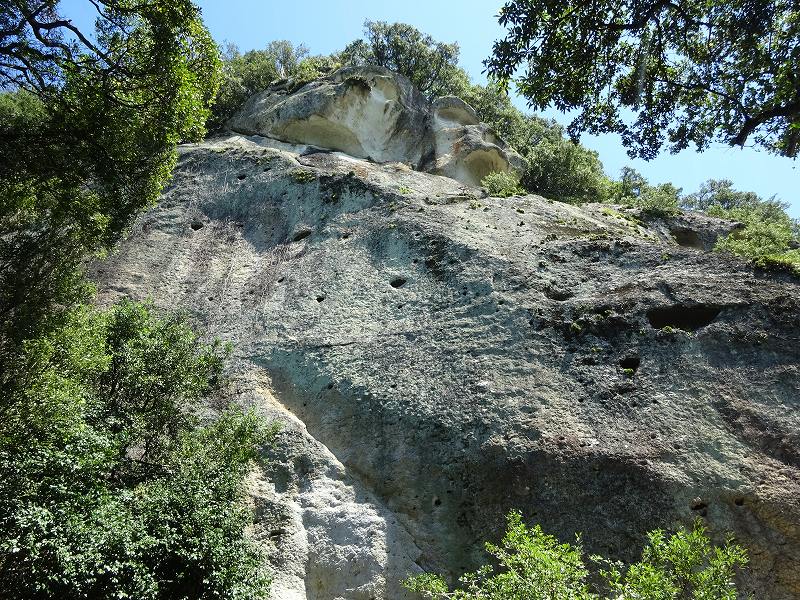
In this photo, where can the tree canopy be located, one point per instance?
(406, 50)
(660, 72)
(89, 124)
(110, 483)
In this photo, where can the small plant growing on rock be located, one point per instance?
(536, 566)
(502, 185)
(302, 176)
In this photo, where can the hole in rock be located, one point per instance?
(196, 225)
(630, 362)
(739, 502)
(345, 236)
(241, 176)
(688, 318)
(301, 235)
(437, 501)
(687, 238)
(398, 282)
(558, 294)
(320, 298)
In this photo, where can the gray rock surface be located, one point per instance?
(372, 113)
(438, 358)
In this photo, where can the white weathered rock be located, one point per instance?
(373, 113)
(366, 112)
(464, 148)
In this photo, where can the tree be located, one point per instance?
(561, 169)
(110, 486)
(251, 72)
(633, 189)
(690, 71)
(405, 50)
(719, 195)
(532, 565)
(769, 238)
(89, 127)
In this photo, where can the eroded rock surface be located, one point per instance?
(375, 114)
(439, 358)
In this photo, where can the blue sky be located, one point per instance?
(325, 26)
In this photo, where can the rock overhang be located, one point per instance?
(373, 113)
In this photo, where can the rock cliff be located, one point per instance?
(439, 357)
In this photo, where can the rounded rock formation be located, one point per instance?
(372, 113)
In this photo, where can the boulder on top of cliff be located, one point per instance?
(466, 149)
(372, 113)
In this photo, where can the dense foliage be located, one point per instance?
(404, 49)
(501, 184)
(532, 565)
(109, 486)
(89, 132)
(632, 189)
(769, 237)
(690, 71)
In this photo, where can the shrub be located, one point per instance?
(406, 50)
(770, 238)
(565, 171)
(501, 184)
(632, 189)
(110, 486)
(532, 565)
(314, 67)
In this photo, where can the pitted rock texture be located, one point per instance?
(372, 113)
(439, 358)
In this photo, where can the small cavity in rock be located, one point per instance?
(398, 282)
(688, 318)
(687, 238)
(196, 225)
(630, 362)
(301, 235)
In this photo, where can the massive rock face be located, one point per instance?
(438, 358)
(372, 113)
